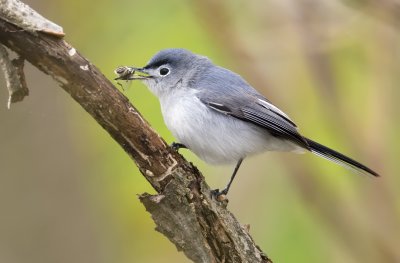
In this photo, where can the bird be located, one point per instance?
(219, 116)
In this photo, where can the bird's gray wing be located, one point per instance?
(227, 93)
(277, 124)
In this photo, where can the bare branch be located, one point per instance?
(183, 210)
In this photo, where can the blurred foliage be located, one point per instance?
(68, 192)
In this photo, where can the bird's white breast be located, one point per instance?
(214, 137)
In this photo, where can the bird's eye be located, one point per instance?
(164, 71)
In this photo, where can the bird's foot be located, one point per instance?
(176, 146)
(219, 195)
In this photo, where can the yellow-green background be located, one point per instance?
(68, 193)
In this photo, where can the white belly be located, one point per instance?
(214, 137)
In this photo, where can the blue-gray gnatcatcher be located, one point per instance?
(216, 114)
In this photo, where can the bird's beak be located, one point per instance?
(141, 73)
(131, 73)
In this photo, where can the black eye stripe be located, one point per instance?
(156, 64)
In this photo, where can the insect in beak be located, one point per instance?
(130, 73)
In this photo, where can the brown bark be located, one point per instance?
(183, 209)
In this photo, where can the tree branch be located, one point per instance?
(183, 209)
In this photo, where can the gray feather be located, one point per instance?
(228, 93)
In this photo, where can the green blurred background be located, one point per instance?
(68, 192)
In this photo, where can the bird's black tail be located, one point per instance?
(338, 158)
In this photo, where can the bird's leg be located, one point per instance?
(217, 193)
(176, 146)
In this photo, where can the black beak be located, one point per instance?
(131, 73)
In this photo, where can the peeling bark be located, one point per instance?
(14, 76)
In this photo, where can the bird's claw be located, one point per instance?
(219, 195)
(176, 146)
